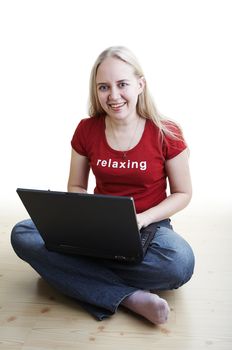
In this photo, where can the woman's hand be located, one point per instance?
(142, 220)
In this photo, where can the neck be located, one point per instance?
(124, 124)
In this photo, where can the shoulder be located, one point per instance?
(172, 130)
(168, 128)
(169, 136)
(86, 131)
(90, 123)
(173, 139)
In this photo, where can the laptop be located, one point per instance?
(94, 225)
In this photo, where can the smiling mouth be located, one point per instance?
(116, 105)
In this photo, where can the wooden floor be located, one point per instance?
(35, 316)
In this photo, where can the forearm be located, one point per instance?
(168, 207)
(76, 189)
(79, 173)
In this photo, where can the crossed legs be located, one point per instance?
(101, 286)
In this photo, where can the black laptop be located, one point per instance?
(94, 225)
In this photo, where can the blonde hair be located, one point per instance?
(145, 104)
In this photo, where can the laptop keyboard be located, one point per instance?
(147, 234)
(144, 236)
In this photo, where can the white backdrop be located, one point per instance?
(47, 50)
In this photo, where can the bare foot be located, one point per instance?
(148, 305)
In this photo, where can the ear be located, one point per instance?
(142, 83)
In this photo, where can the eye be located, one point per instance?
(103, 88)
(122, 84)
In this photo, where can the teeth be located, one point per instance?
(117, 105)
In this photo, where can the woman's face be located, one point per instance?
(118, 88)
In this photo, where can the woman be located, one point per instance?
(123, 128)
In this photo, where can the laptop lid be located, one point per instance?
(87, 224)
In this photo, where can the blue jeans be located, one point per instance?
(101, 285)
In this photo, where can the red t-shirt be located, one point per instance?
(141, 175)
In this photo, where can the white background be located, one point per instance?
(47, 51)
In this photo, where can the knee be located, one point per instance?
(177, 258)
(23, 237)
(181, 267)
(18, 232)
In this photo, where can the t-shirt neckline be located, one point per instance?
(117, 152)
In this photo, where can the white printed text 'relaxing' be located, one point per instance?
(128, 164)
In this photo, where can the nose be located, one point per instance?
(114, 94)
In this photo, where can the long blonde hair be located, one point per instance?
(145, 104)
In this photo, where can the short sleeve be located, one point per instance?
(173, 144)
(79, 138)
